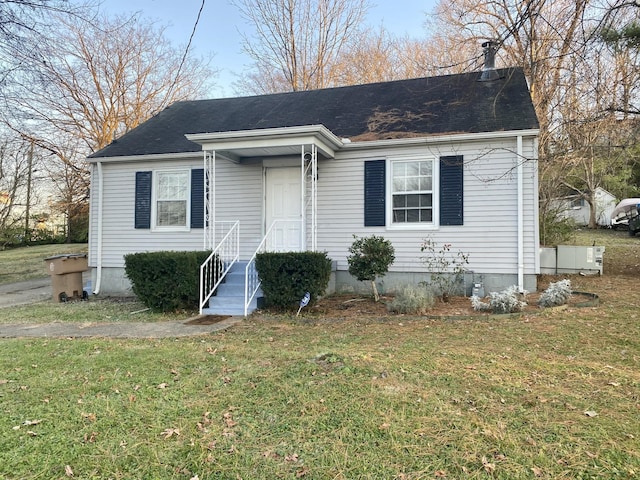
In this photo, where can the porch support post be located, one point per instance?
(309, 203)
(314, 197)
(209, 199)
(303, 198)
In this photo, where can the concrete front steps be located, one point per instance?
(229, 298)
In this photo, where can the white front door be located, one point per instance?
(284, 207)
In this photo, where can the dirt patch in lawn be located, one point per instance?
(206, 319)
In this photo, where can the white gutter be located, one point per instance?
(148, 157)
(434, 139)
(520, 174)
(96, 290)
(536, 206)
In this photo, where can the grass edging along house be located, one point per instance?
(450, 158)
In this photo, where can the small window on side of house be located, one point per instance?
(171, 199)
(412, 192)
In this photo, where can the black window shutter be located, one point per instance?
(451, 190)
(197, 198)
(374, 193)
(143, 200)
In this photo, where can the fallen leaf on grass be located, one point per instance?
(291, 458)
(440, 473)
(89, 416)
(536, 471)
(170, 432)
(489, 467)
(228, 420)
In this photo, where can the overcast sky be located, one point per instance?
(220, 24)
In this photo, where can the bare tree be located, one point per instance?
(375, 55)
(297, 42)
(91, 82)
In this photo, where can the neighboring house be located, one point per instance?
(577, 208)
(449, 158)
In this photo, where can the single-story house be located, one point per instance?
(450, 158)
(577, 208)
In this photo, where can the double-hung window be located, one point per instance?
(412, 191)
(171, 200)
(417, 192)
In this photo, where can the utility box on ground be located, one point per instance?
(66, 276)
(579, 259)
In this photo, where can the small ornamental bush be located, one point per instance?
(286, 277)
(445, 267)
(166, 281)
(507, 301)
(370, 258)
(556, 294)
(413, 299)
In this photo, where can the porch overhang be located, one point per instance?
(244, 145)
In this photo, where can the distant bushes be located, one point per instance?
(166, 281)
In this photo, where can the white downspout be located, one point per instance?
(520, 174)
(96, 290)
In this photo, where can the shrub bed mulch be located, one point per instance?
(353, 306)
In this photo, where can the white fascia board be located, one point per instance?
(436, 139)
(146, 158)
(269, 137)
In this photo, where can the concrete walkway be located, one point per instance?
(39, 290)
(113, 330)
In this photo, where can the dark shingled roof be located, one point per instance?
(415, 107)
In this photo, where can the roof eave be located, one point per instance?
(146, 157)
(436, 139)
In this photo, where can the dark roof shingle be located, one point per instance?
(416, 107)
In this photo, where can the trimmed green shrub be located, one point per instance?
(166, 281)
(287, 276)
(370, 258)
(413, 299)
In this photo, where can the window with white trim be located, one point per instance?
(171, 199)
(412, 191)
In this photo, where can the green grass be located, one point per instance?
(551, 396)
(369, 399)
(27, 263)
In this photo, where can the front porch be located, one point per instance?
(288, 158)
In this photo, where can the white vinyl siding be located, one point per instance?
(489, 234)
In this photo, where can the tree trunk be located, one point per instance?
(375, 290)
(592, 211)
